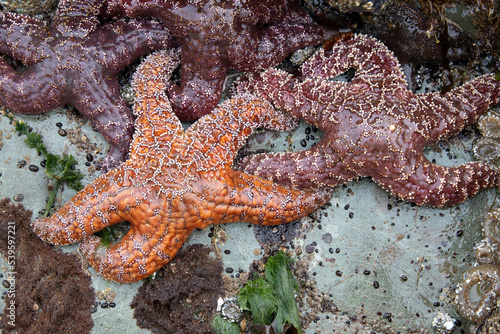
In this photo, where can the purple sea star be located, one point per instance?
(374, 126)
(218, 35)
(75, 60)
(174, 181)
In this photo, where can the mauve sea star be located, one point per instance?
(374, 126)
(217, 35)
(75, 60)
(173, 182)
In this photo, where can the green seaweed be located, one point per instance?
(273, 297)
(260, 298)
(223, 326)
(106, 234)
(60, 169)
(278, 274)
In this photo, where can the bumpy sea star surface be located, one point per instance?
(374, 126)
(173, 182)
(75, 60)
(218, 35)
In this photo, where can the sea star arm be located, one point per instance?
(76, 62)
(364, 54)
(77, 15)
(136, 256)
(102, 203)
(255, 200)
(149, 84)
(244, 113)
(461, 106)
(202, 80)
(124, 41)
(158, 229)
(312, 96)
(29, 92)
(303, 169)
(20, 36)
(422, 182)
(109, 112)
(135, 8)
(267, 46)
(305, 98)
(103, 103)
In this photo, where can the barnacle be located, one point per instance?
(478, 292)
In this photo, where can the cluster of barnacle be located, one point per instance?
(478, 294)
(487, 148)
(28, 7)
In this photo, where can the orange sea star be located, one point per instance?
(173, 182)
